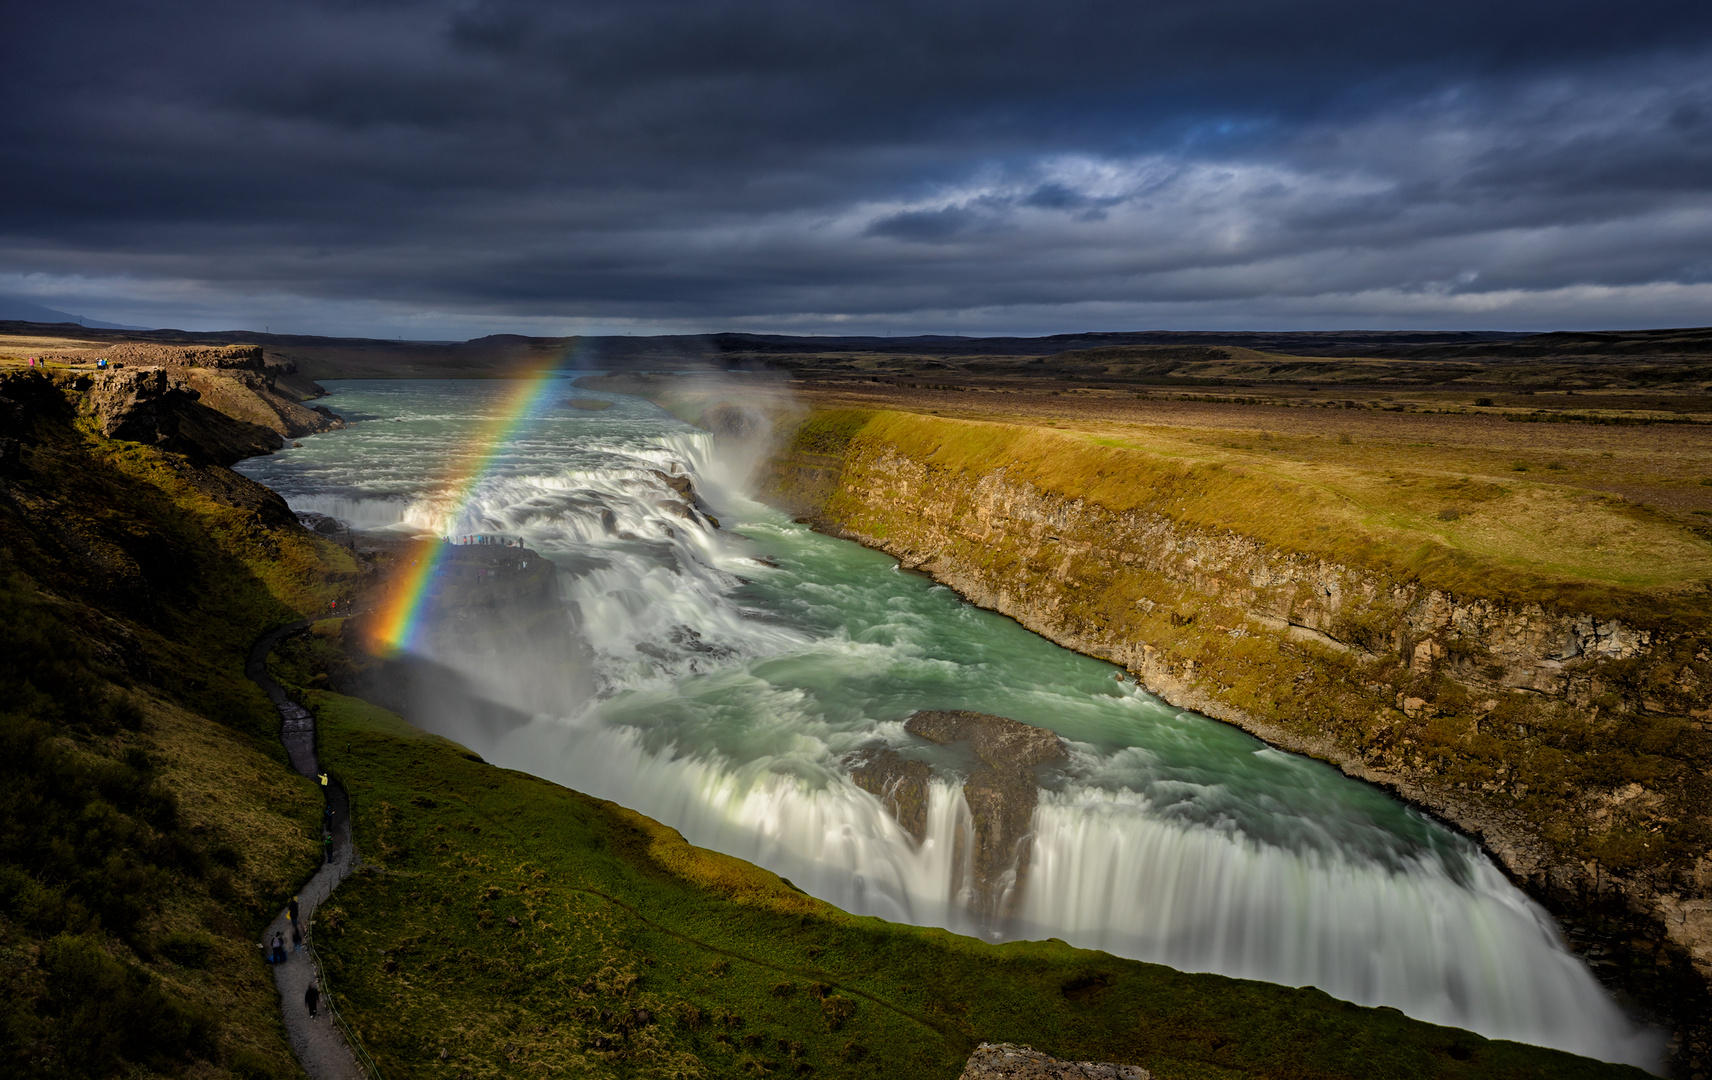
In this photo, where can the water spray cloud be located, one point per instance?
(400, 620)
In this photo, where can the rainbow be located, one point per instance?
(399, 620)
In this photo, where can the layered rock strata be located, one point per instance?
(149, 405)
(240, 381)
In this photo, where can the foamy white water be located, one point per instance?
(729, 691)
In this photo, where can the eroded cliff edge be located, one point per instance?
(1572, 742)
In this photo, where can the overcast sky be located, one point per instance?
(444, 170)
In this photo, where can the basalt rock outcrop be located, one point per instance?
(899, 783)
(226, 357)
(691, 509)
(45, 422)
(1000, 742)
(1001, 792)
(138, 354)
(239, 381)
(150, 405)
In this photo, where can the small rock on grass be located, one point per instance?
(1007, 1061)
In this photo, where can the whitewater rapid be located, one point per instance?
(734, 669)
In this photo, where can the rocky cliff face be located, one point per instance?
(226, 357)
(239, 381)
(150, 405)
(1576, 749)
(53, 469)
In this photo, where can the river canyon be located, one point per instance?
(737, 675)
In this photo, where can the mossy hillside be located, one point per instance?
(178, 552)
(1512, 540)
(143, 848)
(150, 828)
(520, 929)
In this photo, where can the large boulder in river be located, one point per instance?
(998, 741)
(681, 484)
(899, 783)
(1002, 794)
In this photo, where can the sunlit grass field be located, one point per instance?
(1500, 523)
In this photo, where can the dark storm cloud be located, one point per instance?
(931, 164)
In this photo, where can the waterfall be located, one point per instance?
(1445, 940)
(1450, 943)
(737, 668)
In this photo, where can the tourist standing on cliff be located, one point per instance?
(312, 998)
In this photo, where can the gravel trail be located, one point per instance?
(320, 1044)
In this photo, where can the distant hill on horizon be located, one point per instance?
(495, 354)
(12, 308)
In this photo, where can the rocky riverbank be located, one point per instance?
(1573, 744)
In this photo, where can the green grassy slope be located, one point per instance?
(510, 927)
(142, 847)
(149, 828)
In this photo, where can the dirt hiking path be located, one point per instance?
(320, 1045)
